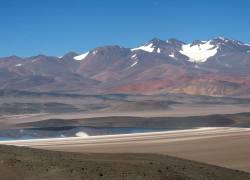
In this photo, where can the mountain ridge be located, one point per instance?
(215, 67)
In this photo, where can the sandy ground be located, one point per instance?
(227, 147)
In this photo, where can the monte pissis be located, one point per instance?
(216, 67)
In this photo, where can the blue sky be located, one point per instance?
(54, 27)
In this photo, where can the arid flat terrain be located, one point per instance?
(175, 111)
(212, 130)
(29, 164)
(227, 147)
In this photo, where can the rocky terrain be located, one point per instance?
(216, 67)
(28, 164)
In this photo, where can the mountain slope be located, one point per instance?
(217, 67)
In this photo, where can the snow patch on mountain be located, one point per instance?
(132, 65)
(147, 48)
(81, 57)
(134, 56)
(171, 55)
(94, 52)
(200, 52)
(222, 38)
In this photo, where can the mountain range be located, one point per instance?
(215, 67)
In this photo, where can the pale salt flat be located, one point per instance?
(18, 65)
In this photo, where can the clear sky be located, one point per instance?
(55, 27)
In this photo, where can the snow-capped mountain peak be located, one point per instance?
(227, 41)
(175, 42)
(155, 67)
(151, 46)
